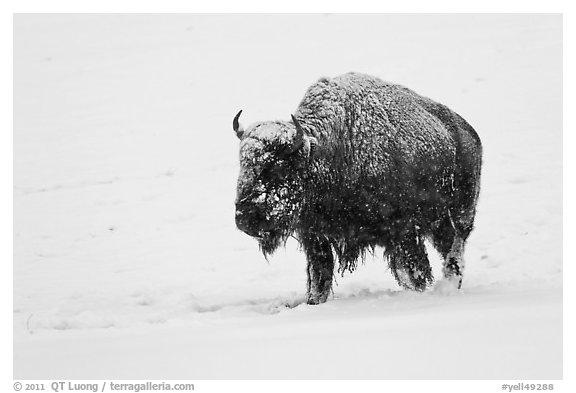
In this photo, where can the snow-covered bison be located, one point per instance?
(362, 163)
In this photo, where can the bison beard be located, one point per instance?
(271, 241)
(363, 163)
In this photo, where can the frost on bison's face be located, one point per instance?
(269, 188)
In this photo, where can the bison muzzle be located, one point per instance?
(362, 163)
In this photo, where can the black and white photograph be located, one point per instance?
(298, 196)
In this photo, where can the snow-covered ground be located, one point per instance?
(127, 262)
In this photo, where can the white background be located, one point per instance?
(125, 165)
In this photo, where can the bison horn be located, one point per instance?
(237, 126)
(299, 139)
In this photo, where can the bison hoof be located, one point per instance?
(411, 281)
(314, 299)
(449, 285)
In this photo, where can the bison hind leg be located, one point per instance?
(453, 267)
(409, 263)
(449, 239)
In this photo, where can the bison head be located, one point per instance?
(273, 160)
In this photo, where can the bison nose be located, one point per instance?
(245, 224)
(240, 219)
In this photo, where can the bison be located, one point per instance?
(362, 163)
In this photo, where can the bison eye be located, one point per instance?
(274, 173)
(283, 151)
(280, 172)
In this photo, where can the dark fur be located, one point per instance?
(390, 168)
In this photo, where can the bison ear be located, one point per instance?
(309, 142)
(237, 126)
(313, 146)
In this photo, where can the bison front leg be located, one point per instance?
(320, 269)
